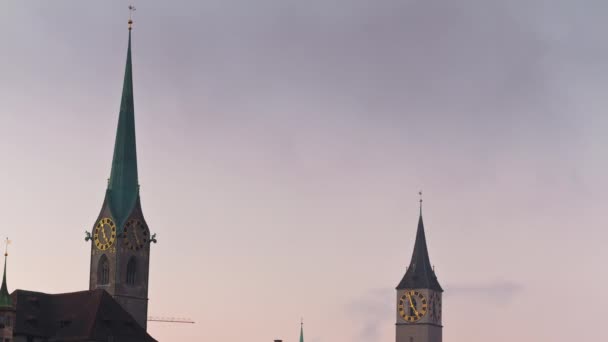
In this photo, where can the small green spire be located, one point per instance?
(5, 297)
(302, 331)
(123, 186)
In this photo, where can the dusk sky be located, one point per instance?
(281, 147)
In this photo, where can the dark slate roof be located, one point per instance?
(420, 274)
(123, 187)
(78, 316)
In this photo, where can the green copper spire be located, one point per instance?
(123, 186)
(5, 297)
(302, 331)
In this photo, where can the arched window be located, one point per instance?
(131, 271)
(103, 271)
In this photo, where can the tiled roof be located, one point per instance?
(78, 316)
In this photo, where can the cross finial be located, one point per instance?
(6, 243)
(131, 10)
(420, 194)
(302, 321)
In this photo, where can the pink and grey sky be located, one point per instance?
(281, 145)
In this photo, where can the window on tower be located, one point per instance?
(103, 271)
(131, 271)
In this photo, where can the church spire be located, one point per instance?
(5, 297)
(123, 186)
(420, 273)
(302, 331)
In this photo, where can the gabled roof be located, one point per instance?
(420, 273)
(123, 186)
(78, 316)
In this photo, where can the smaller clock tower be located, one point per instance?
(419, 296)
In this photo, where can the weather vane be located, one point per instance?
(6, 243)
(131, 10)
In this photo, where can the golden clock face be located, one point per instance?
(136, 235)
(104, 234)
(412, 306)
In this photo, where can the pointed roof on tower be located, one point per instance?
(5, 297)
(420, 274)
(302, 331)
(123, 185)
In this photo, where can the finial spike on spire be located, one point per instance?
(131, 10)
(420, 194)
(6, 243)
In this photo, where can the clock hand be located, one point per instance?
(409, 297)
(103, 232)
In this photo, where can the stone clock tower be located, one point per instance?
(120, 238)
(419, 296)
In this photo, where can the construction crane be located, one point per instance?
(170, 319)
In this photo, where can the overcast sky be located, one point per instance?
(281, 147)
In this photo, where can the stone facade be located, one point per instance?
(133, 294)
(418, 332)
(7, 324)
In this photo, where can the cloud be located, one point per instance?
(373, 310)
(497, 291)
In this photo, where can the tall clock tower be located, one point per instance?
(419, 296)
(120, 238)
